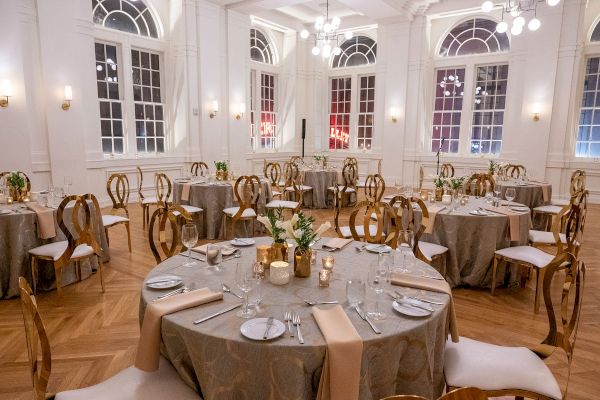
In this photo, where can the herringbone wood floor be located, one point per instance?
(94, 335)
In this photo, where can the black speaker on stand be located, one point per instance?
(303, 134)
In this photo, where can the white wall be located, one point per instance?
(206, 58)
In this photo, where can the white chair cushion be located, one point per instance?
(248, 212)
(348, 190)
(276, 193)
(302, 187)
(360, 231)
(282, 204)
(191, 209)
(545, 237)
(149, 200)
(108, 220)
(560, 202)
(361, 183)
(135, 384)
(431, 250)
(56, 249)
(491, 367)
(527, 254)
(551, 209)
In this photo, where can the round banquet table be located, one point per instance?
(529, 193)
(320, 180)
(406, 358)
(18, 234)
(213, 198)
(471, 241)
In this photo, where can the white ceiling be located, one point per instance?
(352, 12)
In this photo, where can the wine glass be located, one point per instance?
(407, 190)
(397, 186)
(189, 237)
(510, 195)
(377, 280)
(68, 182)
(355, 291)
(214, 255)
(497, 193)
(243, 279)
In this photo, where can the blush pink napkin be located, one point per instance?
(338, 243)
(429, 222)
(148, 351)
(185, 191)
(435, 285)
(45, 220)
(513, 219)
(340, 377)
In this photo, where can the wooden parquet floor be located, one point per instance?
(94, 335)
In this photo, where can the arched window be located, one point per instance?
(131, 16)
(261, 49)
(475, 36)
(360, 50)
(596, 33)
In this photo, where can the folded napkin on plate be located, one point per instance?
(148, 351)
(185, 191)
(435, 285)
(428, 222)
(340, 377)
(513, 219)
(337, 243)
(225, 250)
(45, 220)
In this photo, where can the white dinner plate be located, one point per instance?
(519, 208)
(478, 212)
(411, 311)
(242, 242)
(255, 329)
(378, 248)
(2, 212)
(164, 282)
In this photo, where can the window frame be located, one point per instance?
(256, 71)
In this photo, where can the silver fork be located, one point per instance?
(297, 324)
(184, 289)
(287, 316)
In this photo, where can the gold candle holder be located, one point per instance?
(258, 270)
(328, 262)
(9, 200)
(263, 255)
(324, 276)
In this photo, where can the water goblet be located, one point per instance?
(510, 195)
(189, 237)
(377, 282)
(214, 255)
(355, 291)
(243, 280)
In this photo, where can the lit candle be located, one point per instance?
(26, 199)
(263, 255)
(9, 200)
(328, 262)
(324, 278)
(279, 273)
(258, 269)
(446, 199)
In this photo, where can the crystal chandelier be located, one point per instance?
(517, 9)
(327, 38)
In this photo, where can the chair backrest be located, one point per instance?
(479, 184)
(6, 174)
(247, 190)
(577, 182)
(272, 172)
(163, 187)
(570, 221)
(37, 339)
(447, 170)
(367, 210)
(296, 160)
(290, 173)
(374, 188)
(338, 202)
(349, 175)
(563, 320)
(157, 230)
(199, 167)
(119, 192)
(468, 393)
(140, 179)
(515, 170)
(405, 216)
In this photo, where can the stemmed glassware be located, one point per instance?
(510, 195)
(377, 281)
(189, 237)
(397, 186)
(355, 291)
(497, 194)
(244, 275)
(68, 182)
(214, 255)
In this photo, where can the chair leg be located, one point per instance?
(34, 274)
(540, 272)
(58, 276)
(100, 273)
(128, 235)
(107, 238)
(494, 271)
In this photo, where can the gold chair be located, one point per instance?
(77, 247)
(163, 214)
(469, 393)
(294, 182)
(577, 184)
(199, 167)
(350, 176)
(131, 383)
(293, 205)
(247, 193)
(296, 160)
(120, 200)
(163, 187)
(515, 170)
(344, 231)
(538, 260)
(272, 172)
(479, 184)
(519, 371)
(447, 170)
(374, 188)
(145, 202)
(371, 230)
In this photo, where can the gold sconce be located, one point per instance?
(68, 97)
(537, 108)
(394, 112)
(240, 112)
(214, 109)
(5, 92)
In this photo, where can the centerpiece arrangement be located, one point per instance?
(321, 159)
(222, 170)
(439, 182)
(17, 186)
(279, 246)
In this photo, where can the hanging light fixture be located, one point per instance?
(517, 9)
(327, 37)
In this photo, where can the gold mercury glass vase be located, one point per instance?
(302, 263)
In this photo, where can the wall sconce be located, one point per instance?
(5, 92)
(394, 113)
(537, 109)
(214, 109)
(68, 97)
(240, 112)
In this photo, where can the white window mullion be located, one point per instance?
(467, 113)
(127, 90)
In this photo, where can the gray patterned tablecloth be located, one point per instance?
(18, 234)
(528, 193)
(406, 358)
(320, 181)
(213, 199)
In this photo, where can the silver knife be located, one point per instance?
(198, 321)
(184, 253)
(269, 325)
(414, 303)
(364, 316)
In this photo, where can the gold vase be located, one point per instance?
(17, 194)
(302, 263)
(439, 192)
(279, 251)
(222, 175)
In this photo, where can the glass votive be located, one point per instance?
(258, 270)
(279, 273)
(324, 276)
(263, 255)
(26, 199)
(424, 195)
(313, 257)
(432, 198)
(9, 200)
(463, 200)
(328, 262)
